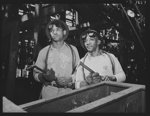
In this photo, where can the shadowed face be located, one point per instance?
(57, 33)
(91, 43)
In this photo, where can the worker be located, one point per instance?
(105, 66)
(59, 60)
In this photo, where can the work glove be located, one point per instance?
(64, 81)
(83, 83)
(89, 78)
(93, 78)
(49, 76)
(96, 78)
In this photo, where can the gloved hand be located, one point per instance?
(64, 81)
(83, 83)
(89, 78)
(49, 76)
(96, 78)
(93, 78)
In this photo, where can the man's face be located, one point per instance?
(91, 43)
(57, 33)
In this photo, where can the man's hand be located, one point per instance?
(89, 78)
(49, 76)
(96, 78)
(83, 83)
(93, 78)
(64, 81)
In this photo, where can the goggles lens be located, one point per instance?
(91, 34)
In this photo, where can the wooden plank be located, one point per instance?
(131, 103)
(9, 106)
(99, 96)
(32, 103)
(106, 100)
(65, 103)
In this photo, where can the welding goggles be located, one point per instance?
(90, 33)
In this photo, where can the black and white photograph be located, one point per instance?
(74, 57)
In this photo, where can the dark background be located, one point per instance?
(131, 50)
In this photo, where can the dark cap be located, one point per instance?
(89, 32)
(58, 23)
